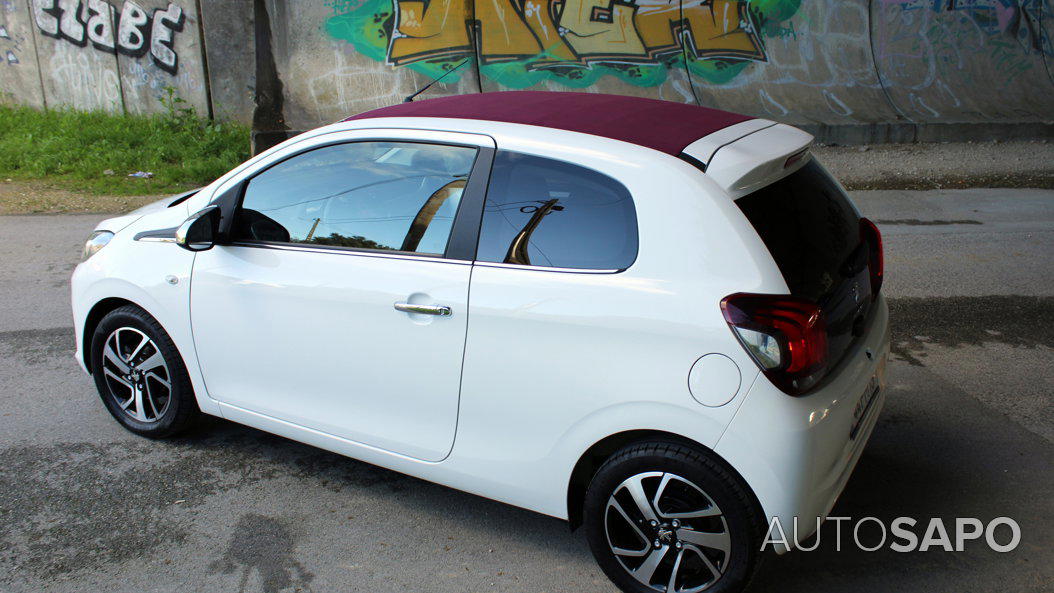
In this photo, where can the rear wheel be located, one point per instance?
(140, 375)
(662, 516)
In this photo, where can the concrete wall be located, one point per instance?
(325, 78)
(110, 55)
(851, 70)
(229, 43)
(171, 56)
(19, 75)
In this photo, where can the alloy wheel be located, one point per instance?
(136, 375)
(667, 533)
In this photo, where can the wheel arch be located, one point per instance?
(92, 320)
(595, 456)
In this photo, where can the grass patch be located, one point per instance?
(93, 152)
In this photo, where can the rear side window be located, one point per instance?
(543, 212)
(809, 227)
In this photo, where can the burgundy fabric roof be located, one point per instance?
(661, 125)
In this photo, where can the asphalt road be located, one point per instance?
(968, 431)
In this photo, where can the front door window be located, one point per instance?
(387, 196)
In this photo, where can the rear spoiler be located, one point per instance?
(751, 154)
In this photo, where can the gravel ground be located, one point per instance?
(952, 165)
(41, 197)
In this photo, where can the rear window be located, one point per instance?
(809, 227)
(543, 212)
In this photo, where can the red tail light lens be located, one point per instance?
(876, 261)
(786, 336)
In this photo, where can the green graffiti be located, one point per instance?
(521, 43)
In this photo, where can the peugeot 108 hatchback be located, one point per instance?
(658, 321)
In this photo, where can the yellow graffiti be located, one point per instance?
(555, 33)
(504, 35)
(428, 31)
(599, 28)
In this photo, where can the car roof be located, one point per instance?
(661, 125)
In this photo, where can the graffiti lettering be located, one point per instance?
(521, 43)
(81, 21)
(1016, 19)
(575, 33)
(9, 55)
(46, 15)
(165, 22)
(423, 28)
(131, 30)
(70, 26)
(99, 22)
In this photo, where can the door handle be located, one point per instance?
(441, 310)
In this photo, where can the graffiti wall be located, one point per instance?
(575, 43)
(862, 70)
(106, 54)
(813, 62)
(976, 59)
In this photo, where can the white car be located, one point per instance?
(659, 321)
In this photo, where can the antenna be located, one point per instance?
(427, 86)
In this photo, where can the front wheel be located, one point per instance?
(662, 516)
(140, 375)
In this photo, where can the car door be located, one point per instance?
(338, 299)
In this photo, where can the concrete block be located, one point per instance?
(329, 71)
(818, 69)
(158, 46)
(19, 72)
(965, 61)
(230, 51)
(78, 72)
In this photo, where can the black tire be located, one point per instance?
(180, 409)
(740, 518)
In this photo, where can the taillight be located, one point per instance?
(876, 261)
(786, 336)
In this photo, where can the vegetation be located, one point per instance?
(357, 241)
(93, 153)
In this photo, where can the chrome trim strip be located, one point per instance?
(546, 269)
(157, 235)
(306, 249)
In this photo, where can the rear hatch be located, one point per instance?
(814, 235)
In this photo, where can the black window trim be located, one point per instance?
(464, 233)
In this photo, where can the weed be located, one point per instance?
(93, 152)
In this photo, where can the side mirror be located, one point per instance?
(199, 232)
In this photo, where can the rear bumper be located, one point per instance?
(797, 453)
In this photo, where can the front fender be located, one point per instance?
(153, 276)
